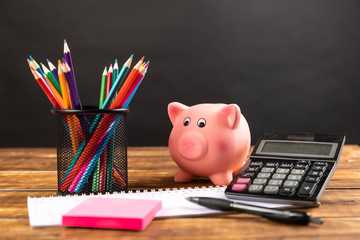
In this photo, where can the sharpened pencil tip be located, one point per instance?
(132, 55)
(30, 57)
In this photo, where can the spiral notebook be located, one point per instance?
(48, 211)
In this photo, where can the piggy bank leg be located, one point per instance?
(183, 176)
(223, 178)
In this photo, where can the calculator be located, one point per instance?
(288, 168)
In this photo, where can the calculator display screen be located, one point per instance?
(297, 148)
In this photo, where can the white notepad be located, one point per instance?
(48, 211)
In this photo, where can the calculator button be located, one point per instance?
(320, 164)
(247, 175)
(315, 173)
(283, 170)
(271, 189)
(298, 171)
(287, 191)
(239, 187)
(272, 164)
(286, 165)
(255, 188)
(303, 162)
(318, 168)
(307, 189)
(263, 175)
(243, 180)
(312, 179)
(256, 164)
(279, 176)
(267, 170)
(260, 181)
(275, 182)
(289, 183)
(301, 166)
(294, 177)
(251, 169)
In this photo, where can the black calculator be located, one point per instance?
(288, 168)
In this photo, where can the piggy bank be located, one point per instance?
(208, 140)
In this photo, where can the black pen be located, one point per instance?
(285, 216)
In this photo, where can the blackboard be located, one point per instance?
(289, 65)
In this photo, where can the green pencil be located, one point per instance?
(103, 88)
(51, 78)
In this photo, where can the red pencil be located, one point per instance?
(109, 80)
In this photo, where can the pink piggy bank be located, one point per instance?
(208, 140)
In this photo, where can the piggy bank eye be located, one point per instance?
(187, 121)
(201, 123)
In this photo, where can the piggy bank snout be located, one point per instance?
(192, 145)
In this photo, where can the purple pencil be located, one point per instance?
(66, 71)
(67, 56)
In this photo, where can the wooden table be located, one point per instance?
(32, 172)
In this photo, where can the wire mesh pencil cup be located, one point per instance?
(91, 150)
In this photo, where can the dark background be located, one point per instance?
(289, 65)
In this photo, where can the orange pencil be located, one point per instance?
(64, 87)
(127, 85)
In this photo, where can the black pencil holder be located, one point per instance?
(91, 150)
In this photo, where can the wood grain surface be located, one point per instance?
(32, 172)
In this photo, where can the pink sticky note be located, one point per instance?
(134, 214)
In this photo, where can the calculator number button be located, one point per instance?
(294, 177)
(254, 188)
(264, 175)
(298, 171)
(271, 189)
(283, 170)
(275, 182)
(289, 183)
(279, 176)
(260, 181)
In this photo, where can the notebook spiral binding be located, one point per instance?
(139, 192)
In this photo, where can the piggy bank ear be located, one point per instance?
(231, 114)
(174, 110)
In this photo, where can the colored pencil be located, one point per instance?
(109, 79)
(37, 68)
(64, 86)
(115, 72)
(103, 88)
(46, 89)
(126, 86)
(118, 82)
(53, 70)
(68, 60)
(73, 93)
(51, 78)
